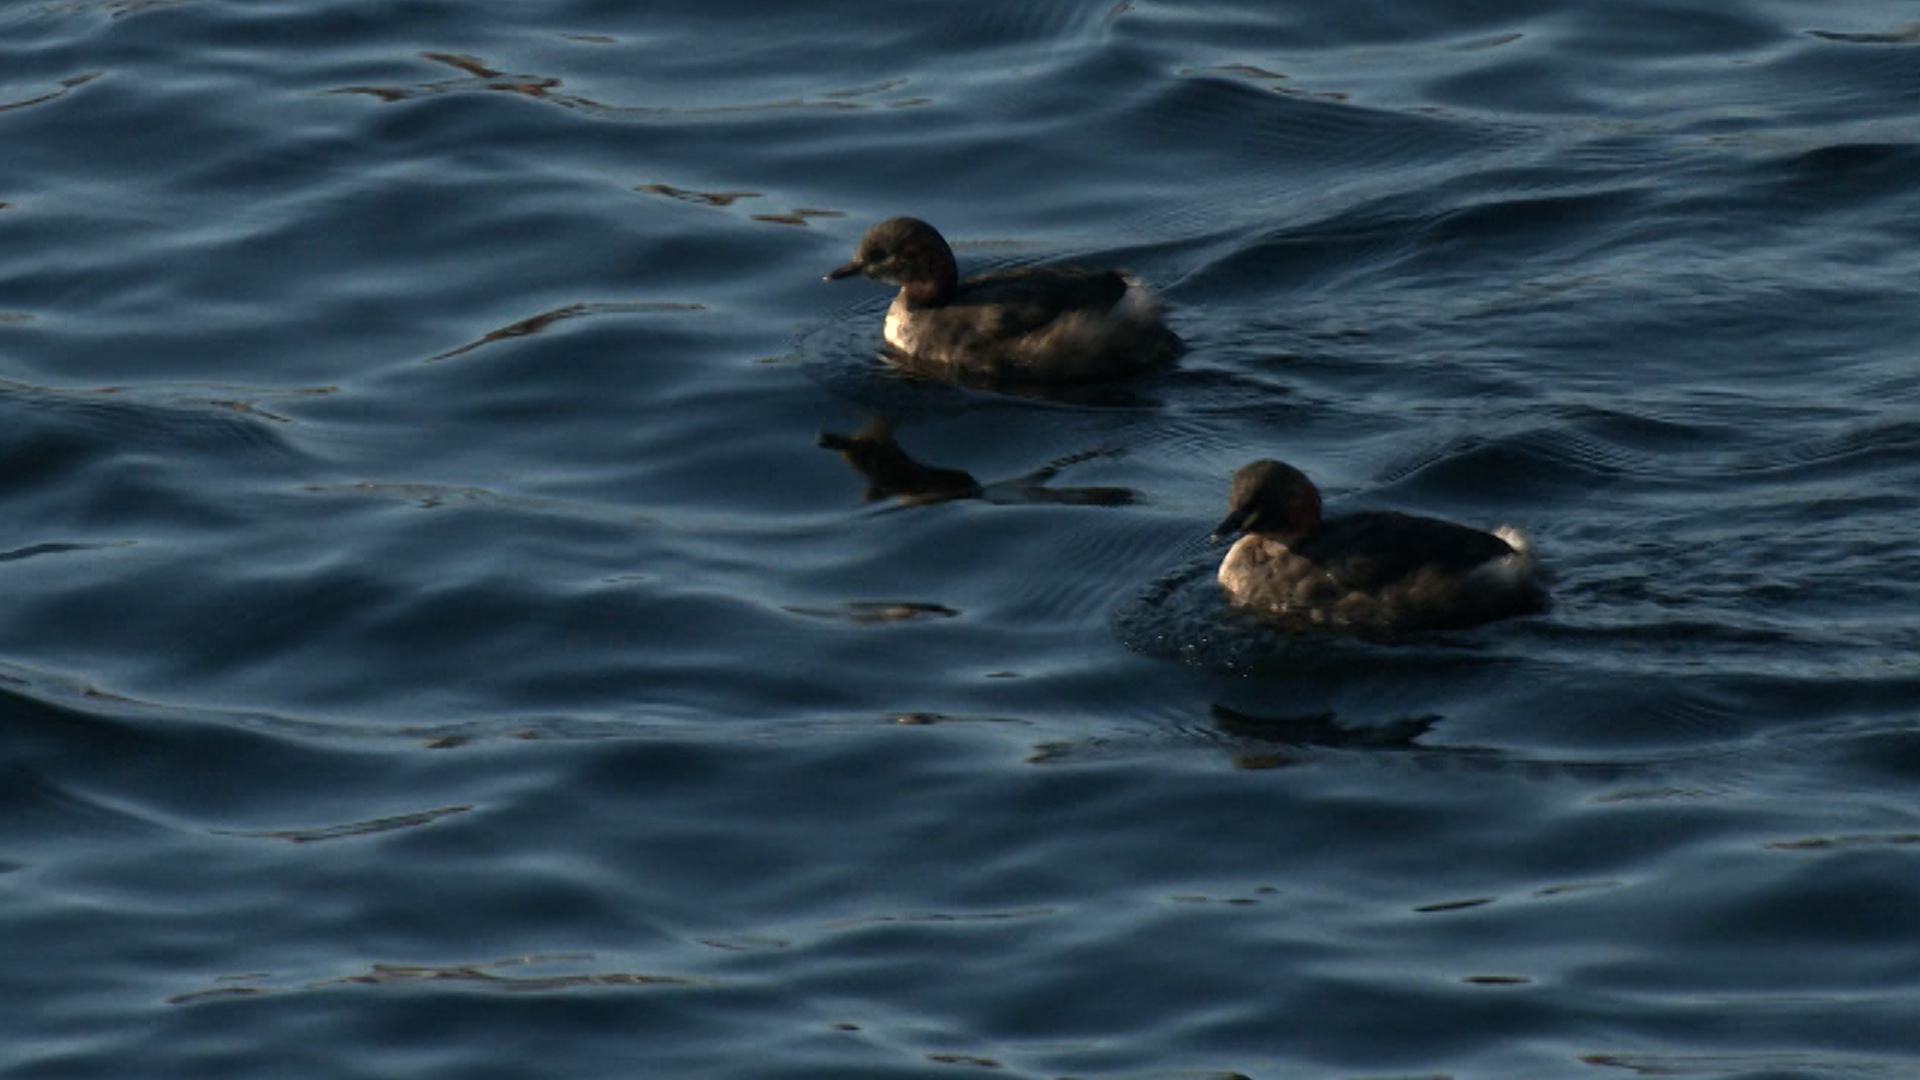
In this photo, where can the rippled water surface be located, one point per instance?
(434, 644)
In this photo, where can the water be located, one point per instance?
(434, 644)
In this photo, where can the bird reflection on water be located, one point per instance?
(891, 473)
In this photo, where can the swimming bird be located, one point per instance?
(1040, 326)
(1375, 573)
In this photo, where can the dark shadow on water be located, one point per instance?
(1281, 741)
(1321, 729)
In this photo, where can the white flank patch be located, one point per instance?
(1517, 568)
(1137, 304)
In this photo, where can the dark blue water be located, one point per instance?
(433, 644)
